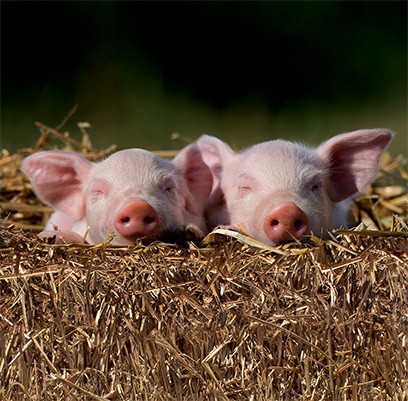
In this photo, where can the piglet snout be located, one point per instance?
(285, 223)
(137, 219)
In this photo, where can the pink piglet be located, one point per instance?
(279, 191)
(133, 194)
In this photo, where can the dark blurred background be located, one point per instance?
(243, 71)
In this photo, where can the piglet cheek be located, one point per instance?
(100, 211)
(255, 224)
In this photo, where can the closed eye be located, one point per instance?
(315, 184)
(96, 195)
(168, 186)
(244, 190)
(246, 183)
(99, 189)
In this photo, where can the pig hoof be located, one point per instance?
(52, 240)
(193, 233)
(51, 237)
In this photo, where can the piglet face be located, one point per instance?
(133, 194)
(279, 191)
(276, 201)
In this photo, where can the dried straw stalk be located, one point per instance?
(226, 320)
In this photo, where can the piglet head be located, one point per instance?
(279, 191)
(133, 193)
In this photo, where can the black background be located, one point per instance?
(283, 54)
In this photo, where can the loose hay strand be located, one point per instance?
(227, 320)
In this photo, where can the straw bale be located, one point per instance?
(227, 319)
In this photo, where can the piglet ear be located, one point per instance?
(197, 176)
(353, 160)
(214, 153)
(57, 178)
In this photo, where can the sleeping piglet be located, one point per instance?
(279, 191)
(133, 194)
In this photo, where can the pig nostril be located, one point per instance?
(125, 220)
(298, 224)
(274, 222)
(149, 220)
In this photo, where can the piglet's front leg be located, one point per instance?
(61, 237)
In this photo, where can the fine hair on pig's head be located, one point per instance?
(279, 191)
(133, 193)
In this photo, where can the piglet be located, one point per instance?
(133, 194)
(279, 191)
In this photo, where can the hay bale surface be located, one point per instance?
(225, 320)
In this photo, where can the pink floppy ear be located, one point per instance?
(214, 153)
(57, 178)
(353, 160)
(197, 176)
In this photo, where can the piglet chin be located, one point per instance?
(131, 241)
